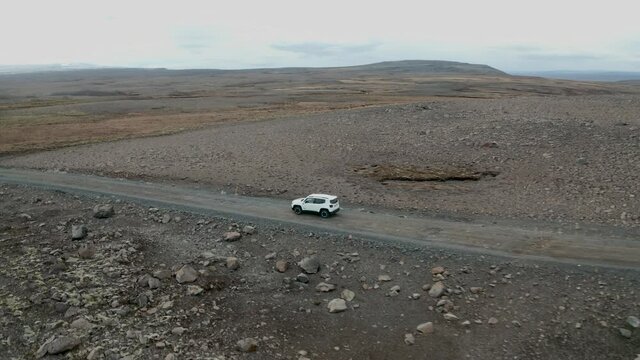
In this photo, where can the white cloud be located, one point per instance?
(243, 33)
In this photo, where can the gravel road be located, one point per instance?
(606, 246)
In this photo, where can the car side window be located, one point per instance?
(309, 201)
(319, 201)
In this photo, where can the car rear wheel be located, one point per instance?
(324, 213)
(297, 210)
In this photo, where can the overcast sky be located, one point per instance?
(512, 35)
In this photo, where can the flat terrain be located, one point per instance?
(458, 184)
(572, 160)
(53, 109)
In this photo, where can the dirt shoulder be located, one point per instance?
(114, 293)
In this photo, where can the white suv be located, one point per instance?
(325, 205)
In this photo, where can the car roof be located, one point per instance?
(323, 196)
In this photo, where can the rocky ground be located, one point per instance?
(144, 283)
(565, 159)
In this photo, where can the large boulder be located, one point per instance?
(309, 265)
(103, 211)
(186, 274)
(78, 232)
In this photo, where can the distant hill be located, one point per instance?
(425, 67)
(431, 67)
(26, 69)
(584, 75)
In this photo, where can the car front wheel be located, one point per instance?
(324, 213)
(297, 210)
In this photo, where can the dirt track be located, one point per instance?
(606, 246)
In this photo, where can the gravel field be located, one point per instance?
(148, 283)
(568, 159)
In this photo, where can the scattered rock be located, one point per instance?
(625, 333)
(409, 339)
(437, 270)
(103, 211)
(633, 321)
(178, 330)
(248, 230)
(303, 278)
(82, 324)
(492, 321)
(154, 283)
(348, 295)
(270, 256)
(162, 274)
(384, 277)
(232, 236)
(233, 263)
(247, 345)
(436, 289)
(309, 265)
(394, 291)
(58, 345)
(337, 305)
(325, 287)
(425, 328)
(87, 251)
(476, 289)
(186, 274)
(282, 266)
(166, 218)
(194, 290)
(95, 353)
(78, 232)
(450, 317)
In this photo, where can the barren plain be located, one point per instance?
(433, 139)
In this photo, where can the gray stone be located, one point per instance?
(384, 278)
(78, 232)
(58, 345)
(95, 353)
(233, 263)
(436, 289)
(437, 270)
(178, 330)
(82, 324)
(103, 211)
(633, 321)
(162, 274)
(476, 289)
(325, 287)
(625, 333)
(248, 230)
(166, 218)
(154, 283)
(450, 317)
(87, 251)
(425, 328)
(492, 321)
(186, 274)
(303, 278)
(232, 236)
(194, 290)
(348, 295)
(247, 345)
(309, 265)
(337, 305)
(282, 266)
(409, 339)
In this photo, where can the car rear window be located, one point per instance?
(319, 201)
(334, 201)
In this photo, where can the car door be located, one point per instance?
(309, 205)
(320, 203)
